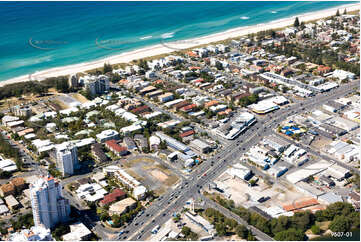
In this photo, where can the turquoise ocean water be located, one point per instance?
(40, 35)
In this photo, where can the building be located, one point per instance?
(91, 192)
(19, 184)
(129, 143)
(107, 135)
(117, 194)
(67, 158)
(21, 111)
(97, 85)
(98, 153)
(48, 205)
(276, 143)
(78, 231)
(35, 233)
(113, 146)
(201, 222)
(73, 81)
(7, 165)
(343, 75)
(166, 97)
(122, 206)
(11, 202)
(172, 143)
(7, 189)
(200, 146)
(239, 171)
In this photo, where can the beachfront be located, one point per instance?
(164, 49)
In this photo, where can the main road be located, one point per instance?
(162, 210)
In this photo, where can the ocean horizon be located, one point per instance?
(43, 35)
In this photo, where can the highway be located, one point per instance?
(230, 153)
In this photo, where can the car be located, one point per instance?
(136, 224)
(153, 220)
(139, 236)
(164, 214)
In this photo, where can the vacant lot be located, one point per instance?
(151, 173)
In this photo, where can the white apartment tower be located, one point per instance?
(67, 158)
(49, 207)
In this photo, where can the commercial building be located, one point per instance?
(276, 143)
(240, 171)
(48, 205)
(66, 158)
(200, 146)
(172, 143)
(239, 124)
(308, 189)
(201, 222)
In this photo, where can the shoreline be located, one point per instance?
(169, 47)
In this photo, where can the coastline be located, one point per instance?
(178, 45)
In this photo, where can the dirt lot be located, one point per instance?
(151, 173)
(321, 142)
(239, 191)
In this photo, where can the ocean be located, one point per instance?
(41, 35)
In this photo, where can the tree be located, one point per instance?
(302, 220)
(290, 234)
(345, 11)
(186, 231)
(296, 23)
(340, 224)
(315, 229)
(107, 68)
(337, 13)
(219, 65)
(116, 220)
(242, 231)
(221, 229)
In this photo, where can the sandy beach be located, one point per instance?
(177, 45)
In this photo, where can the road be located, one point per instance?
(212, 204)
(230, 153)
